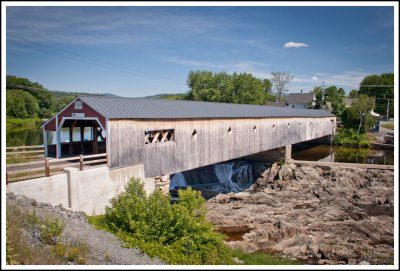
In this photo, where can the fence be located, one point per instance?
(25, 152)
(47, 167)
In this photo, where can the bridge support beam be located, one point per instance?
(162, 182)
(288, 153)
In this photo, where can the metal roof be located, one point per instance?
(145, 108)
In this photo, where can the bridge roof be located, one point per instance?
(147, 108)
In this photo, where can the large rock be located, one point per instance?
(336, 215)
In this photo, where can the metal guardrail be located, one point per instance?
(48, 167)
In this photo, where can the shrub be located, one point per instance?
(177, 233)
(50, 228)
(348, 137)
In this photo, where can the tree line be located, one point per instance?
(26, 99)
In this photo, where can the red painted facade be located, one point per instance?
(67, 112)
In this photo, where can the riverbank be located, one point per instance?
(330, 215)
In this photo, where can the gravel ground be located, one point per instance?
(104, 247)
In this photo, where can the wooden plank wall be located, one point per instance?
(213, 143)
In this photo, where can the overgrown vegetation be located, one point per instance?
(49, 251)
(259, 258)
(176, 233)
(349, 137)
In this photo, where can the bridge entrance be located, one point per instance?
(78, 137)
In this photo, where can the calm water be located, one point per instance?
(31, 137)
(330, 153)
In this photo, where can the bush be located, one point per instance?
(177, 233)
(348, 137)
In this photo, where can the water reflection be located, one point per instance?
(330, 153)
(32, 137)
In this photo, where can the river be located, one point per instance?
(34, 136)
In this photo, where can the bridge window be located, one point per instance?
(78, 105)
(288, 125)
(159, 136)
(229, 130)
(273, 126)
(194, 134)
(255, 128)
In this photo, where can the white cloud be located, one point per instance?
(315, 78)
(291, 44)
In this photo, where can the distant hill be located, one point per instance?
(65, 93)
(173, 96)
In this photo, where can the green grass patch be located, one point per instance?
(23, 123)
(388, 126)
(258, 258)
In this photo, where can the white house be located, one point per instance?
(300, 100)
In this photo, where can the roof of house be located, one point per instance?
(144, 108)
(279, 104)
(349, 101)
(300, 98)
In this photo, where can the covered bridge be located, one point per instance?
(170, 136)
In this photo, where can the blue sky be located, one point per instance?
(139, 51)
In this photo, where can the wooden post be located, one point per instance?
(46, 166)
(82, 139)
(7, 178)
(71, 150)
(95, 151)
(81, 162)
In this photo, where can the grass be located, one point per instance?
(258, 258)
(388, 126)
(51, 251)
(23, 123)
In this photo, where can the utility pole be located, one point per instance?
(387, 111)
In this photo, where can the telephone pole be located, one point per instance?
(387, 111)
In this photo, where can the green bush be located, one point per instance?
(348, 137)
(177, 233)
(50, 228)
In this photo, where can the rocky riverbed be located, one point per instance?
(329, 215)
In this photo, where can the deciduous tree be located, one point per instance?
(281, 82)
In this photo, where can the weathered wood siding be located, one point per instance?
(213, 143)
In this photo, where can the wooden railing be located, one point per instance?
(25, 152)
(48, 167)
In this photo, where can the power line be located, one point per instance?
(119, 68)
(376, 85)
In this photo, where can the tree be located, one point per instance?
(353, 93)
(281, 81)
(21, 104)
(335, 96)
(222, 87)
(358, 116)
(382, 88)
(43, 97)
(318, 97)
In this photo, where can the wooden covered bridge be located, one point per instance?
(173, 136)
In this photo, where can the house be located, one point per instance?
(300, 100)
(278, 104)
(348, 101)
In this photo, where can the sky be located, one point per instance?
(135, 51)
